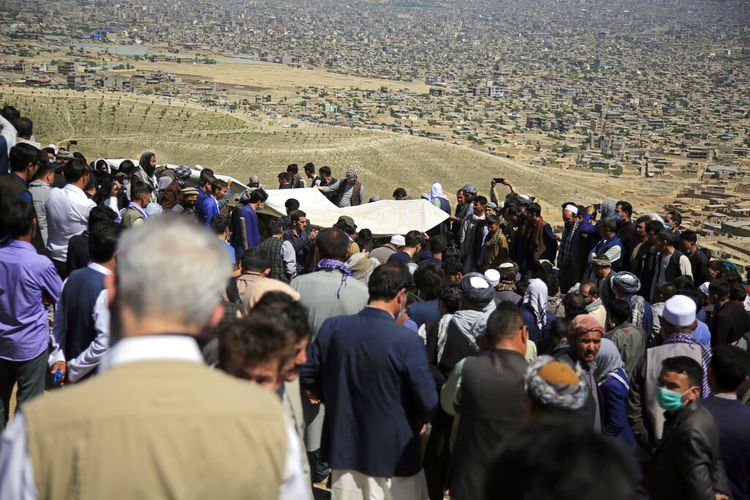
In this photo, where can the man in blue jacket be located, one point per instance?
(373, 376)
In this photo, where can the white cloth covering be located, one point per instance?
(353, 485)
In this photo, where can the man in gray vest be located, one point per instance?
(487, 392)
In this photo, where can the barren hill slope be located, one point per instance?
(240, 145)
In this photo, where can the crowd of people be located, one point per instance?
(163, 339)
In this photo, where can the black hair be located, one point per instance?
(138, 190)
(414, 238)
(206, 176)
(429, 280)
(504, 321)
(574, 305)
(399, 193)
(534, 209)
(296, 215)
(309, 167)
(325, 171)
(18, 216)
(75, 169)
(219, 224)
(21, 155)
(364, 240)
(482, 200)
(684, 365)
(333, 243)
(100, 213)
(654, 227)
(292, 168)
(668, 290)
(450, 297)
(545, 460)
(643, 219)
(730, 366)
(291, 204)
(103, 238)
(284, 176)
(10, 113)
(619, 311)
(255, 261)
(625, 207)
(275, 226)
(452, 266)
(720, 288)
(492, 219)
(560, 328)
(608, 223)
(127, 167)
(689, 236)
(737, 292)
(45, 168)
(25, 127)
(289, 312)
(668, 237)
(437, 244)
(388, 279)
(676, 217)
(258, 195)
(254, 340)
(684, 284)
(217, 184)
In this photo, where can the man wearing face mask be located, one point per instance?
(645, 414)
(373, 377)
(687, 462)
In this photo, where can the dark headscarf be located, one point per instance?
(145, 163)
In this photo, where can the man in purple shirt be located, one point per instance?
(27, 281)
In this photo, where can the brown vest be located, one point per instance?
(355, 192)
(157, 429)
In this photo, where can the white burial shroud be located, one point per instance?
(383, 218)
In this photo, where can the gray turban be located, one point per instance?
(625, 283)
(476, 290)
(554, 384)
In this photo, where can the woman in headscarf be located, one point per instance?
(614, 389)
(145, 171)
(534, 309)
(440, 200)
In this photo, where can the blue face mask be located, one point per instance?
(670, 400)
(618, 217)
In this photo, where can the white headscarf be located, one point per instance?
(536, 298)
(436, 191)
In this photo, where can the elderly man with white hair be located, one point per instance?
(157, 422)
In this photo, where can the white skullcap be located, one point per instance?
(477, 282)
(493, 276)
(679, 311)
(398, 240)
(506, 265)
(572, 209)
(704, 288)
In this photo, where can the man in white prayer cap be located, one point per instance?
(571, 254)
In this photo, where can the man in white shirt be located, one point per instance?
(157, 422)
(67, 213)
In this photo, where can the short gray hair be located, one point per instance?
(173, 268)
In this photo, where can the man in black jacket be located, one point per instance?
(729, 320)
(687, 462)
(487, 392)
